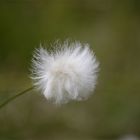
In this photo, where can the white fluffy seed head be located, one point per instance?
(67, 73)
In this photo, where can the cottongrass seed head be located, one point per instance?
(69, 72)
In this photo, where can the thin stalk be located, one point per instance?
(15, 96)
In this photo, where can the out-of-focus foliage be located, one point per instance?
(112, 28)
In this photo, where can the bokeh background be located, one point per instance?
(112, 28)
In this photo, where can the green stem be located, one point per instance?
(15, 96)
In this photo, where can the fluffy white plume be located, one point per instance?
(67, 73)
(129, 137)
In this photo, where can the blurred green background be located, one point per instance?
(112, 28)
